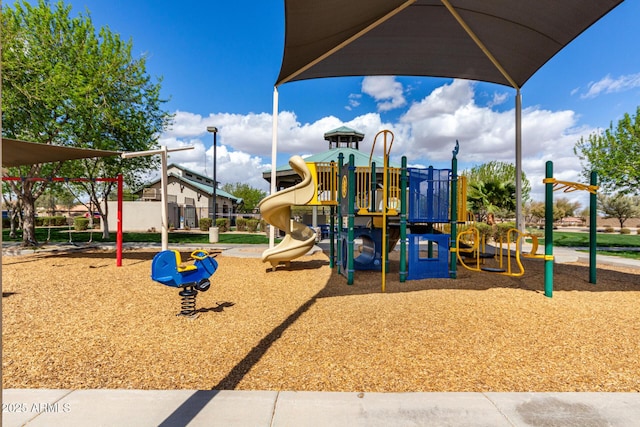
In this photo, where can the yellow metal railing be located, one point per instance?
(462, 199)
(371, 201)
(325, 176)
(469, 242)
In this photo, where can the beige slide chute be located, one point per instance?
(276, 210)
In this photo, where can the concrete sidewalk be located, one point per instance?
(166, 408)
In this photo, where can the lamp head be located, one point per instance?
(212, 129)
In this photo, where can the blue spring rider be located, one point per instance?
(167, 268)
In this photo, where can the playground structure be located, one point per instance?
(374, 209)
(369, 205)
(167, 268)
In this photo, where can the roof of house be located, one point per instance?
(207, 189)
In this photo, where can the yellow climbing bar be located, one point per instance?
(568, 186)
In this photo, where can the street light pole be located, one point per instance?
(214, 236)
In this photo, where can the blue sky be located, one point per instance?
(219, 61)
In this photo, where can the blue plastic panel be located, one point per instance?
(423, 266)
(428, 195)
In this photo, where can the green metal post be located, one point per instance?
(454, 212)
(332, 236)
(430, 209)
(351, 218)
(372, 187)
(548, 231)
(339, 214)
(403, 220)
(593, 229)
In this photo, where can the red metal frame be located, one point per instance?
(118, 179)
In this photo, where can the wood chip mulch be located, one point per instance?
(77, 321)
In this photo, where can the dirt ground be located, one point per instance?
(75, 320)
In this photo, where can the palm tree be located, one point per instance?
(496, 197)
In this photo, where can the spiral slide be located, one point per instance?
(276, 210)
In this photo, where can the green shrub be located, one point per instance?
(222, 224)
(46, 221)
(501, 230)
(252, 225)
(625, 230)
(80, 223)
(241, 224)
(205, 224)
(484, 230)
(608, 229)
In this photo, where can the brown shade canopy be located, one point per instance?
(498, 41)
(19, 153)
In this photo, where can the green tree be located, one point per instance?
(619, 206)
(535, 211)
(584, 214)
(614, 154)
(502, 172)
(493, 197)
(250, 196)
(56, 196)
(492, 188)
(65, 83)
(565, 207)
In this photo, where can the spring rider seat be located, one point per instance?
(167, 268)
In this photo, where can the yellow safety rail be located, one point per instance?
(363, 189)
(514, 236)
(471, 235)
(364, 192)
(325, 176)
(462, 199)
(568, 186)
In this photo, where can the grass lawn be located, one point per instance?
(61, 235)
(572, 239)
(623, 254)
(604, 240)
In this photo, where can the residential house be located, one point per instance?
(190, 197)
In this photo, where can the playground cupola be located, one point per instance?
(343, 137)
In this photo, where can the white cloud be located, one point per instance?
(450, 113)
(426, 133)
(387, 92)
(354, 101)
(610, 85)
(498, 99)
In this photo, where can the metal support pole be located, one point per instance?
(340, 250)
(454, 213)
(519, 219)
(332, 236)
(403, 220)
(274, 155)
(164, 207)
(119, 225)
(593, 228)
(351, 197)
(548, 231)
(215, 187)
